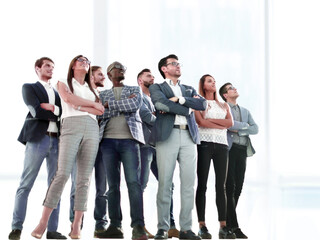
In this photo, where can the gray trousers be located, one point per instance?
(79, 142)
(179, 146)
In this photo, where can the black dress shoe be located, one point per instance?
(15, 234)
(161, 234)
(188, 235)
(239, 233)
(111, 232)
(55, 235)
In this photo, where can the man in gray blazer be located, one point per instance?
(240, 148)
(176, 135)
(121, 134)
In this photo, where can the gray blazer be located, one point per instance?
(160, 94)
(245, 128)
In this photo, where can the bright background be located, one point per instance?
(268, 49)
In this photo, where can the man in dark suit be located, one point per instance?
(40, 135)
(176, 135)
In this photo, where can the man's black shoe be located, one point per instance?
(138, 233)
(226, 233)
(111, 232)
(55, 235)
(188, 235)
(239, 233)
(204, 233)
(161, 234)
(15, 234)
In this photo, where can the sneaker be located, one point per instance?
(111, 232)
(149, 235)
(239, 233)
(226, 233)
(188, 235)
(173, 232)
(15, 234)
(138, 233)
(97, 232)
(161, 234)
(204, 233)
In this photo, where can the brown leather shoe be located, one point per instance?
(173, 232)
(149, 235)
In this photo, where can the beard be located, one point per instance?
(99, 84)
(146, 84)
(120, 78)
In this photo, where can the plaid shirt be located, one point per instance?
(127, 106)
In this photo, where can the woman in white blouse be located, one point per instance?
(213, 124)
(78, 142)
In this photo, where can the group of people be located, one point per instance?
(146, 127)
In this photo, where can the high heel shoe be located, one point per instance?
(74, 236)
(36, 235)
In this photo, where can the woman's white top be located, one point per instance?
(215, 135)
(79, 90)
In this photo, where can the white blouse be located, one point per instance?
(80, 91)
(215, 135)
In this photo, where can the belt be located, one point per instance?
(181, 127)
(52, 134)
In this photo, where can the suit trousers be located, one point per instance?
(178, 147)
(79, 142)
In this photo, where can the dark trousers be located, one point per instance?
(235, 179)
(219, 154)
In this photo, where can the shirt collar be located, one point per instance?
(233, 105)
(45, 84)
(169, 81)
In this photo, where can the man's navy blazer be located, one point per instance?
(160, 94)
(37, 121)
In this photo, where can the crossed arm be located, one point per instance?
(79, 103)
(215, 123)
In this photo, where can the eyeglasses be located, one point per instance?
(231, 88)
(84, 60)
(175, 64)
(119, 66)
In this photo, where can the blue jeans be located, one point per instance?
(149, 161)
(115, 151)
(100, 209)
(35, 153)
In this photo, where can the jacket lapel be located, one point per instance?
(42, 91)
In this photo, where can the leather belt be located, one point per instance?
(181, 127)
(52, 134)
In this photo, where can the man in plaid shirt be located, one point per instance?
(121, 133)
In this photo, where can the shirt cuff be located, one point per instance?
(182, 100)
(56, 110)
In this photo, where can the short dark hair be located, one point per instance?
(224, 90)
(142, 71)
(95, 68)
(40, 61)
(163, 62)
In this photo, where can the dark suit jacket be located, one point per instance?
(37, 120)
(160, 94)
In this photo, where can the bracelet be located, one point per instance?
(78, 108)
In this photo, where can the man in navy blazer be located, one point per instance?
(176, 135)
(240, 148)
(121, 133)
(40, 135)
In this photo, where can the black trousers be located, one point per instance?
(235, 179)
(219, 154)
